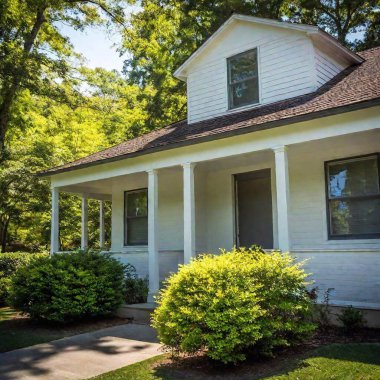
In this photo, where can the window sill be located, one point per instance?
(243, 108)
(135, 248)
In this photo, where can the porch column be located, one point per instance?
(54, 240)
(282, 193)
(154, 280)
(101, 225)
(188, 212)
(84, 234)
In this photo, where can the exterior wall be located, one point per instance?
(286, 68)
(326, 67)
(351, 267)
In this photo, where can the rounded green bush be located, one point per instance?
(69, 286)
(234, 302)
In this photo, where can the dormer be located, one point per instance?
(250, 61)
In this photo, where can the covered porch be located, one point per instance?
(209, 204)
(191, 208)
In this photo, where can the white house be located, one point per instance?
(280, 148)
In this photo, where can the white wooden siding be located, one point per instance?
(327, 68)
(286, 68)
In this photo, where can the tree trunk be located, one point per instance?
(4, 234)
(10, 93)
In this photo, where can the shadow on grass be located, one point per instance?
(336, 360)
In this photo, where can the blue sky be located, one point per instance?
(97, 46)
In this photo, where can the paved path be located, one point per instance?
(81, 356)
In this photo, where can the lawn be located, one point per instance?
(17, 331)
(334, 361)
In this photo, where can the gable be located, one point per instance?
(288, 65)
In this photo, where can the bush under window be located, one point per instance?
(69, 286)
(229, 304)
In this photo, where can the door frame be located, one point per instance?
(274, 203)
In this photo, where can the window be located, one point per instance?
(136, 217)
(353, 197)
(243, 83)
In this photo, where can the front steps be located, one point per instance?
(138, 313)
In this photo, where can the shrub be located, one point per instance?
(9, 263)
(69, 286)
(136, 289)
(234, 302)
(352, 319)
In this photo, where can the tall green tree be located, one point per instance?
(34, 53)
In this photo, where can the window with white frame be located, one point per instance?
(353, 198)
(136, 217)
(243, 81)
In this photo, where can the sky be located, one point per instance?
(97, 45)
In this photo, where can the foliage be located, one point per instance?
(323, 310)
(34, 54)
(136, 289)
(227, 304)
(69, 286)
(352, 319)
(9, 264)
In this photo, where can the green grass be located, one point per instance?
(336, 361)
(17, 332)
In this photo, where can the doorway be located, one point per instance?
(253, 208)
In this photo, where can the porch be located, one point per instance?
(196, 207)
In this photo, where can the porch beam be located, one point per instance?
(188, 212)
(54, 239)
(101, 225)
(84, 232)
(282, 194)
(154, 280)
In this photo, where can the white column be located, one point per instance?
(154, 280)
(282, 193)
(101, 225)
(54, 240)
(84, 234)
(188, 212)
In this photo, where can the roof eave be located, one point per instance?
(257, 127)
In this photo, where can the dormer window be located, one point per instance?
(243, 79)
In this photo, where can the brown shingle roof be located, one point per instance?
(354, 88)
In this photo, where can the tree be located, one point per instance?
(33, 52)
(338, 17)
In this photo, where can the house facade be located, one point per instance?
(280, 148)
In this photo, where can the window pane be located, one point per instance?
(353, 178)
(244, 93)
(137, 231)
(243, 66)
(356, 216)
(137, 203)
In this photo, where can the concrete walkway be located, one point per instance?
(81, 356)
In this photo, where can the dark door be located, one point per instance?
(254, 223)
